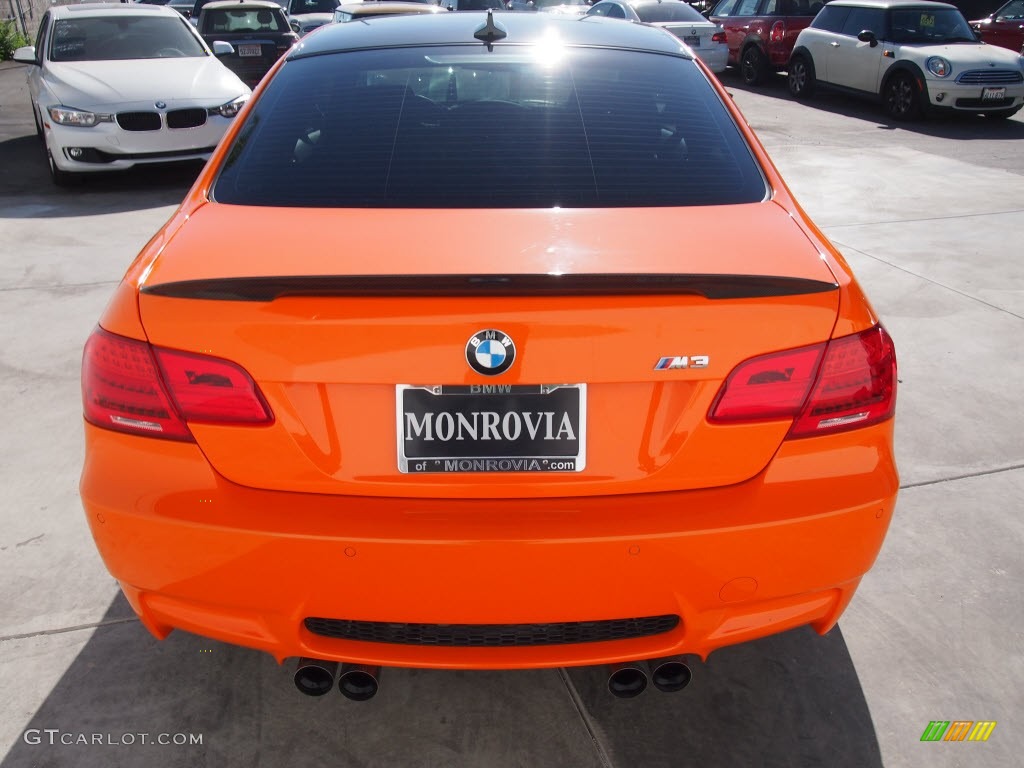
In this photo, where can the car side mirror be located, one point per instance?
(221, 48)
(867, 36)
(26, 54)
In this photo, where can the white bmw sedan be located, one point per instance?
(114, 86)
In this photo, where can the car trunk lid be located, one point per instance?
(338, 314)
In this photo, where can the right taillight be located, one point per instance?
(856, 385)
(846, 383)
(778, 32)
(130, 386)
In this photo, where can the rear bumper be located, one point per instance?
(716, 59)
(196, 552)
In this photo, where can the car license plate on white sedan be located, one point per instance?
(993, 94)
(491, 428)
(692, 40)
(250, 50)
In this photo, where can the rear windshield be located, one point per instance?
(114, 38)
(658, 12)
(461, 127)
(299, 7)
(243, 20)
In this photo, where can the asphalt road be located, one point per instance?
(931, 217)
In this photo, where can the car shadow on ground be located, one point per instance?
(24, 174)
(947, 126)
(790, 700)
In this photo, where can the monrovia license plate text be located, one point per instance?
(491, 428)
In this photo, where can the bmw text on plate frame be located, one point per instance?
(491, 427)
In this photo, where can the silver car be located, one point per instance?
(704, 37)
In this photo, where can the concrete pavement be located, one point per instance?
(930, 217)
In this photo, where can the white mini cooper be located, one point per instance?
(916, 56)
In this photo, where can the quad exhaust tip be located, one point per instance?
(360, 682)
(357, 682)
(629, 679)
(314, 677)
(670, 675)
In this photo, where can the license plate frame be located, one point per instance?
(692, 40)
(250, 51)
(993, 94)
(534, 451)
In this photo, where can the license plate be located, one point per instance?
(993, 94)
(491, 428)
(693, 42)
(250, 50)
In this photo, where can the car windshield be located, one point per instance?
(299, 7)
(115, 38)
(1011, 11)
(476, 5)
(241, 20)
(670, 11)
(917, 25)
(553, 3)
(458, 127)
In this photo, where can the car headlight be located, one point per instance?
(79, 118)
(230, 109)
(938, 66)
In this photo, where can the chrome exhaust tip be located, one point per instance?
(359, 682)
(670, 675)
(627, 680)
(315, 677)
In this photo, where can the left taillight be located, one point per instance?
(131, 386)
(719, 37)
(778, 32)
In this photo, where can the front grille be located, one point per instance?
(492, 635)
(984, 103)
(139, 121)
(990, 77)
(186, 118)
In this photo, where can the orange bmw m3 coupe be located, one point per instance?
(489, 342)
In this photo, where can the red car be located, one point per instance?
(761, 33)
(1004, 27)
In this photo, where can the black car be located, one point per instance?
(257, 29)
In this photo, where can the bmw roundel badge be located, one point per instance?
(490, 352)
